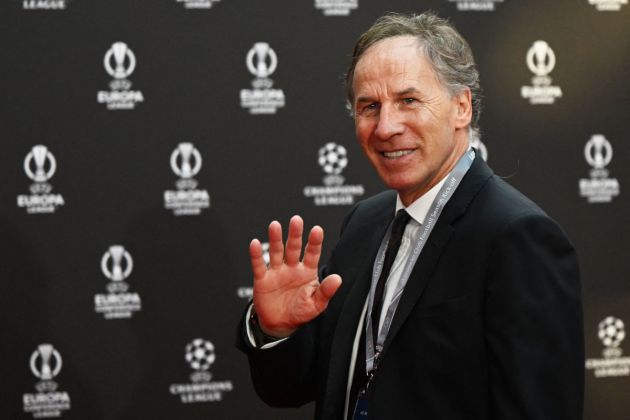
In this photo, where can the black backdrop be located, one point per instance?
(189, 277)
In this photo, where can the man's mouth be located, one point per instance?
(396, 154)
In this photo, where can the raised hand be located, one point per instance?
(288, 293)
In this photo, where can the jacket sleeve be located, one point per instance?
(534, 323)
(283, 375)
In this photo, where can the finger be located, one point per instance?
(293, 248)
(313, 248)
(259, 268)
(276, 248)
(326, 290)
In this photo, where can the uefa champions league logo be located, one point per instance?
(45, 364)
(541, 60)
(261, 61)
(333, 158)
(200, 355)
(611, 331)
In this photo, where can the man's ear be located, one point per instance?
(463, 107)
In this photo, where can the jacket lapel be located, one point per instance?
(343, 338)
(420, 276)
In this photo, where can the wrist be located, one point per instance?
(261, 336)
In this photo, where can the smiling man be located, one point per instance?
(451, 296)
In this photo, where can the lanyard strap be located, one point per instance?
(419, 239)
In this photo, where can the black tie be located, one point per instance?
(359, 378)
(398, 228)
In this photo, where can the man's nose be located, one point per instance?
(389, 122)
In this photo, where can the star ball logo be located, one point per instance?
(475, 5)
(117, 265)
(333, 159)
(541, 60)
(40, 165)
(120, 62)
(262, 62)
(200, 355)
(197, 4)
(611, 331)
(608, 5)
(336, 7)
(44, 4)
(187, 199)
(599, 188)
(47, 402)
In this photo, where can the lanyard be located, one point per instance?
(419, 240)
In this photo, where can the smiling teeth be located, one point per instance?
(397, 154)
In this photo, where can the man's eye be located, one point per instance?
(369, 109)
(409, 101)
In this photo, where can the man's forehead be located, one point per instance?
(397, 62)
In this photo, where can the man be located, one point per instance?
(474, 288)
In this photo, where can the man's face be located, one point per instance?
(410, 127)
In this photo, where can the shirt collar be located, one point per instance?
(418, 209)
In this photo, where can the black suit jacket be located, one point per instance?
(489, 326)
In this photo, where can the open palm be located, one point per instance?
(287, 293)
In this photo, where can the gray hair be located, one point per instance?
(444, 47)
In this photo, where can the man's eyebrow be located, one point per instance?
(365, 99)
(406, 91)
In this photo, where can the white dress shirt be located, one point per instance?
(418, 211)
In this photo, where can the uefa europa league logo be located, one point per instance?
(117, 265)
(261, 51)
(45, 364)
(598, 151)
(540, 58)
(186, 163)
(39, 155)
(40, 165)
(122, 58)
(119, 63)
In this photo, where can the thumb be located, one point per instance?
(326, 290)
